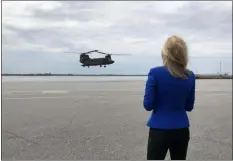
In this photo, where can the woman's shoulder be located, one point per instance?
(157, 72)
(160, 71)
(190, 73)
(157, 69)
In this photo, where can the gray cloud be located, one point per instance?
(34, 32)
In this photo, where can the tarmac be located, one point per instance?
(104, 121)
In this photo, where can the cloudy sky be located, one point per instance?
(35, 35)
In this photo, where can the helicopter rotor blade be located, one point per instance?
(120, 54)
(90, 51)
(82, 53)
(111, 54)
(97, 52)
(103, 53)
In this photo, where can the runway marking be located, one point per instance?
(35, 92)
(219, 94)
(206, 90)
(28, 98)
(20, 92)
(54, 92)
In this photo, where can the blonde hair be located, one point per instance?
(175, 56)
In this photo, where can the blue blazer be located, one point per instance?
(168, 98)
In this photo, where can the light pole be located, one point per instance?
(220, 68)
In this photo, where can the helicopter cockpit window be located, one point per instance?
(108, 57)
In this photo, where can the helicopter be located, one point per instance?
(86, 61)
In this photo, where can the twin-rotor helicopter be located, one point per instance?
(86, 61)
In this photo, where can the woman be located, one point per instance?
(169, 93)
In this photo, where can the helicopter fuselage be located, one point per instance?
(87, 61)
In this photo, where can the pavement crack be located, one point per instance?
(20, 137)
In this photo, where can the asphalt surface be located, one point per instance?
(104, 120)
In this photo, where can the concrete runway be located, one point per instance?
(104, 120)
